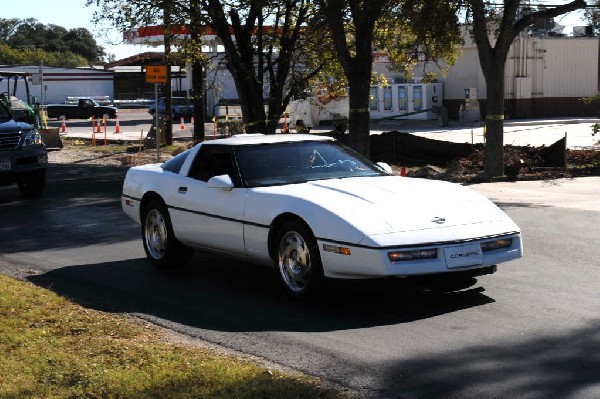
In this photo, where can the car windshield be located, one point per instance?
(299, 162)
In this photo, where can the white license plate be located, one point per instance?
(5, 165)
(463, 256)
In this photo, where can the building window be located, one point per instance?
(387, 98)
(402, 98)
(374, 100)
(418, 98)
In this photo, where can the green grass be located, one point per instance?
(52, 348)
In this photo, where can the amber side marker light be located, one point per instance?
(336, 249)
(496, 244)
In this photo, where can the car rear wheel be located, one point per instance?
(298, 260)
(161, 246)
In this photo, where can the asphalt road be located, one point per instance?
(529, 331)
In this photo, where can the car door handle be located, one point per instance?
(182, 190)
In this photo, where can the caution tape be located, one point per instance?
(494, 117)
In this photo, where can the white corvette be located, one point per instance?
(314, 209)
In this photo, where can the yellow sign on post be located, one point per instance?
(156, 74)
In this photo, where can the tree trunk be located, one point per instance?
(493, 61)
(274, 114)
(197, 74)
(494, 122)
(359, 118)
(251, 99)
(168, 139)
(357, 64)
(198, 100)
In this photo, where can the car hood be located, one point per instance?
(393, 204)
(11, 126)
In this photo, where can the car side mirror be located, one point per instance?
(387, 168)
(223, 182)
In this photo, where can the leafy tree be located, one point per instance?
(352, 24)
(10, 55)
(399, 27)
(8, 28)
(494, 37)
(82, 42)
(193, 52)
(592, 14)
(127, 16)
(417, 28)
(29, 33)
(262, 41)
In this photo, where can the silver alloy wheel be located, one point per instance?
(155, 234)
(294, 261)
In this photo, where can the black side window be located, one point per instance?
(174, 164)
(212, 161)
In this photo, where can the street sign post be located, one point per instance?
(156, 74)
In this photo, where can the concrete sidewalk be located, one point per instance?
(582, 193)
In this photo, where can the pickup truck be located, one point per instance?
(181, 106)
(84, 109)
(23, 155)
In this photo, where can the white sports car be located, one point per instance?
(314, 209)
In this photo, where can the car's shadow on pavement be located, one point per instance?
(218, 294)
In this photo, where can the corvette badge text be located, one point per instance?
(465, 255)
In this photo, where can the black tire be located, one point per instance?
(34, 185)
(298, 260)
(160, 244)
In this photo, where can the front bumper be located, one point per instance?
(368, 262)
(18, 165)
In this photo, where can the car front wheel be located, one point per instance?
(298, 260)
(161, 246)
(34, 185)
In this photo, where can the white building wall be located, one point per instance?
(62, 82)
(465, 74)
(556, 67)
(569, 66)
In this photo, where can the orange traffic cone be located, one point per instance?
(98, 128)
(118, 127)
(403, 171)
(182, 127)
(63, 127)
